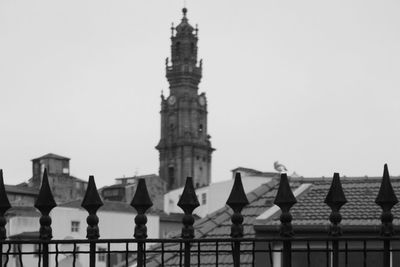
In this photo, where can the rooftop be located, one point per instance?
(310, 209)
(23, 190)
(52, 156)
(110, 206)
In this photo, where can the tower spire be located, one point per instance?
(185, 148)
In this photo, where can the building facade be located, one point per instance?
(184, 147)
(63, 186)
(214, 196)
(124, 189)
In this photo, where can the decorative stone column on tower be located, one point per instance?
(185, 147)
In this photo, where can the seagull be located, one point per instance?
(279, 167)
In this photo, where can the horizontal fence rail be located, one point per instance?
(287, 250)
(268, 250)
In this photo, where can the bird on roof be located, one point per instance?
(279, 167)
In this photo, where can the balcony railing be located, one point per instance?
(287, 250)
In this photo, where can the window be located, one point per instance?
(75, 226)
(203, 199)
(200, 128)
(101, 256)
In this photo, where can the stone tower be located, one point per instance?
(185, 147)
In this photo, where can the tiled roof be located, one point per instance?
(51, 155)
(360, 210)
(114, 206)
(23, 190)
(175, 217)
(218, 225)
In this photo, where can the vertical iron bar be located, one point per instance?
(335, 253)
(126, 253)
(365, 253)
(287, 254)
(8, 255)
(346, 255)
(92, 254)
(285, 200)
(92, 202)
(187, 254)
(140, 252)
(308, 254)
(216, 254)
(188, 202)
(162, 254)
(39, 255)
(45, 203)
(236, 253)
(20, 255)
(56, 258)
(108, 254)
(198, 254)
(45, 255)
(253, 252)
(271, 261)
(386, 253)
(180, 254)
(386, 199)
(144, 254)
(335, 199)
(237, 200)
(4, 206)
(327, 253)
(74, 256)
(141, 202)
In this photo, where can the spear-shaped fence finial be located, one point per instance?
(45, 203)
(335, 199)
(188, 202)
(141, 202)
(285, 200)
(92, 202)
(386, 199)
(237, 200)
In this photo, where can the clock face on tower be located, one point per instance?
(202, 100)
(171, 100)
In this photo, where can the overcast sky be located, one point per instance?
(313, 84)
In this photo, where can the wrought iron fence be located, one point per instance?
(285, 250)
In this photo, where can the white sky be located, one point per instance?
(313, 84)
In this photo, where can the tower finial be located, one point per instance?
(184, 11)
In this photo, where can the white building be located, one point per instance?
(116, 220)
(215, 195)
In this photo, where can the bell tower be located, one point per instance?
(184, 147)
